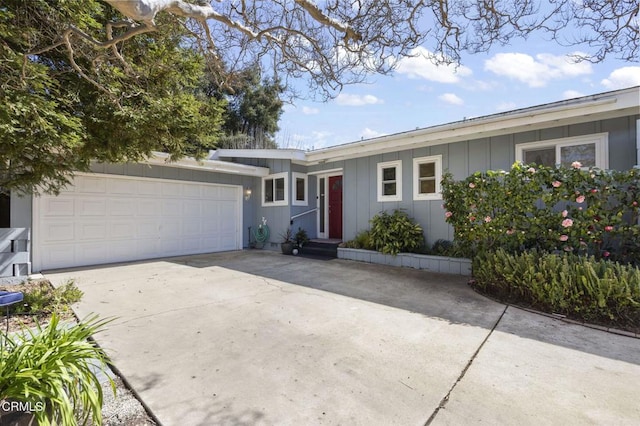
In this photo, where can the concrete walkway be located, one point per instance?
(260, 338)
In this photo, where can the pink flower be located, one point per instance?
(564, 213)
(593, 191)
(472, 218)
(510, 231)
(567, 223)
(487, 219)
(608, 228)
(564, 237)
(448, 214)
(634, 204)
(606, 254)
(472, 185)
(580, 199)
(556, 184)
(531, 170)
(576, 164)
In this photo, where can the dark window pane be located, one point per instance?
(389, 188)
(280, 189)
(585, 154)
(300, 189)
(268, 190)
(427, 170)
(542, 157)
(428, 186)
(389, 174)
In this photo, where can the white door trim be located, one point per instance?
(326, 175)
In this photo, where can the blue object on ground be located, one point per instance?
(10, 297)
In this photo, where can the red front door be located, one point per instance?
(335, 207)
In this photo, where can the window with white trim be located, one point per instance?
(390, 181)
(589, 150)
(427, 173)
(299, 188)
(275, 190)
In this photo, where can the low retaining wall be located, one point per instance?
(446, 265)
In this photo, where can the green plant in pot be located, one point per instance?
(54, 371)
(301, 238)
(287, 243)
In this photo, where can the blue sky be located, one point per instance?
(419, 94)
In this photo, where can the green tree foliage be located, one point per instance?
(253, 110)
(54, 120)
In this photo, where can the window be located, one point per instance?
(427, 173)
(590, 151)
(390, 181)
(299, 186)
(274, 190)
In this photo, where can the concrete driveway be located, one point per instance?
(260, 338)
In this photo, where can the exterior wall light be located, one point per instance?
(247, 194)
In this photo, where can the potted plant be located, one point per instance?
(287, 243)
(301, 238)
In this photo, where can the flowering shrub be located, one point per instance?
(568, 209)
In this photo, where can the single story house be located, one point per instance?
(122, 212)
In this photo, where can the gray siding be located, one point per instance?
(461, 159)
(277, 216)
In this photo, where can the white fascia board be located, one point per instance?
(274, 154)
(162, 159)
(595, 107)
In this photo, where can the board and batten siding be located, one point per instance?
(461, 159)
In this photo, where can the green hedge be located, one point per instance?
(576, 286)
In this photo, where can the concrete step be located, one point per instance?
(320, 249)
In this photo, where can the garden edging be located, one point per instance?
(442, 264)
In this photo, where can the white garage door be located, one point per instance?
(104, 219)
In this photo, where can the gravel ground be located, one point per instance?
(124, 408)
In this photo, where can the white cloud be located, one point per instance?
(506, 106)
(451, 98)
(420, 65)
(368, 133)
(309, 110)
(357, 100)
(538, 71)
(622, 78)
(570, 94)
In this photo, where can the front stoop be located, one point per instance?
(445, 265)
(322, 249)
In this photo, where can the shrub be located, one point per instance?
(42, 298)
(55, 368)
(576, 286)
(361, 241)
(569, 209)
(395, 233)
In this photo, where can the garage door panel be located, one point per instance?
(123, 206)
(58, 231)
(103, 219)
(91, 230)
(95, 185)
(171, 208)
(93, 207)
(149, 207)
(62, 206)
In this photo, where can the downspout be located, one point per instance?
(637, 143)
